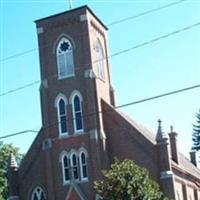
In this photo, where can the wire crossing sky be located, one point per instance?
(111, 24)
(115, 108)
(161, 65)
(112, 55)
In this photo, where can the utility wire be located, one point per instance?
(156, 39)
(19, 88)
(111, 109)
(116, 54)
(18, 133)
(110, 24)
(145, 13)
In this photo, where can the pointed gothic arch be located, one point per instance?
(76, 100)
(83, 156)
(99, 59)
(61, 106)
(75, 193)
(66, 168)
(65, 58)
(74, 166)
(38, 194)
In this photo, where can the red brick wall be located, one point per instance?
(125, 141)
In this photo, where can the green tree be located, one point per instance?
(196, 134)
(127, 181)
(5, 151)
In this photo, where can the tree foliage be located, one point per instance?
(5, 151)
(196, 134)
(127, 181)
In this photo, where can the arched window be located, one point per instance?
(99, 60)
(66, 169)
(74, 166)
(62, 116)
(77, 114)
(38, 194)
(83, 166)
(65, 60)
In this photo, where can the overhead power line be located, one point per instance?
(145, 13)
(20, 88)
(110, 24)
(116, 54)
(18, 133)
(111, 109)
(156, 39)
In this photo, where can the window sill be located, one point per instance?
(76, 181)
(64, 77)
(84, 180)
(75, 134)
(79, 132)
(64, 135)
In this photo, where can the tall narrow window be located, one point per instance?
(66, 168)
(62, 117)
(83, 166)
(38, 194)
(65, 60)
(74, 166)
(99, 60)
(77, 109)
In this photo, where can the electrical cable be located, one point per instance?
(110, 24)
(145, 13)
(111, 109)
(117, 53)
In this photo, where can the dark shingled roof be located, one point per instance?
(72, 10)
(142, 129)
(186, 165)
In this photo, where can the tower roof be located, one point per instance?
(161, 136)
(73, 10)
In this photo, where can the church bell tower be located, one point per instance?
(74, 80)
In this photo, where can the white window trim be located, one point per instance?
(100, 62)
(69, 156)
(81, 165)
(58, 98)
(63, 169)
(74, 114)
(72, 166)
(60, 77)
(35, 190)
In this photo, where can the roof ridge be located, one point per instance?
(137, 125)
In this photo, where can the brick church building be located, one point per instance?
(82, 132)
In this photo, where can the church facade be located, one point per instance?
(82, 132)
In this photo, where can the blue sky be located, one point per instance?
(169, 64)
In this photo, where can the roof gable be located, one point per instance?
(75, 193)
